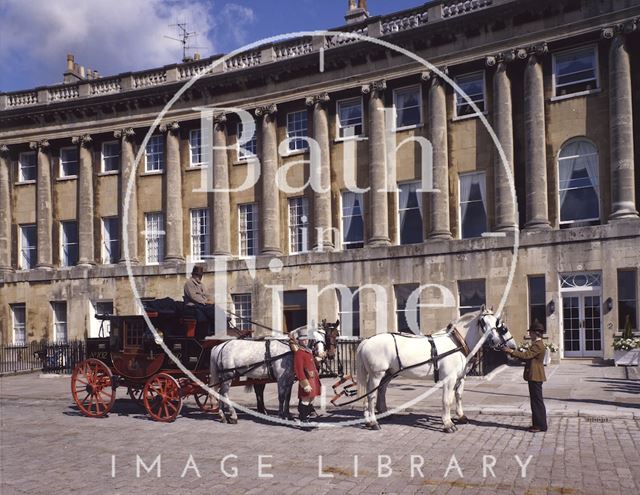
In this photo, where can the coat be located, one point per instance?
(306, 372)
(534, 362)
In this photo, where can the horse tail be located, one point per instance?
(362, 374)
(248, 389)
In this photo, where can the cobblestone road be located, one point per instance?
(48, 448)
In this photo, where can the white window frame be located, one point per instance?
(159, 138)
(397, 309)
(459, 99)
(346, 330)
(295, 135)
(339, 125)
(16, 325)
(460, 307)
(57, 324)
(104, 156)
(154, 233)
(485, 203)
(400, 210)
(406, 89)
(596, 65)
(195, 136)
(65, 262)
(343, 242)
(21, 247)
(243, 232)
(303, 203)
(196, 217)
(247, 154)
(108, 242)
(62, 173)
(21, 178)
(597, 190)
(243, 307)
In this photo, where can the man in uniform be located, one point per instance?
(307, 374)
(534, 374)
(194, 292)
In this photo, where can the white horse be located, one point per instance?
(384, 356)
(270, 358)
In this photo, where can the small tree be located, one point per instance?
(627, 333)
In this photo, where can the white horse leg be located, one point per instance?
(374, 381)
(233, 415)
(447, 400)
(223, 390)
(459, 389)
(381, 402)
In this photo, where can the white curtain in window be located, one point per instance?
(575, 154)
(479, 179)
(589, 157)
(466, 181)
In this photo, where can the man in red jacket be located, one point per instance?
(307, 374)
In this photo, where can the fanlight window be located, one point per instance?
(578, 183)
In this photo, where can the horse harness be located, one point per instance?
(237, 373)
(452, 333)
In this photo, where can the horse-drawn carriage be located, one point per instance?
(131, 356)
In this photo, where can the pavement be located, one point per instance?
(47, 447)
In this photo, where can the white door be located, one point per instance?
(582, 324)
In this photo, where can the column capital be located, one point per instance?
(319, 99)
(126, 133)
(266, 110)
(505, 57)
(39, 145)
(172, 127)
(375, 88)
(628, 27)
(432, 76)
(536, 50)
(84, 140)
(4, 150)
(219, 121)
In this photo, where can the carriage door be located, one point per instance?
(582, 315)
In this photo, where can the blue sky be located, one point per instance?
(114, 36)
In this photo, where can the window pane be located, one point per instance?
(296, 128)
(575, 71)
(195, 147)
(249, 148)
(473, 86)
(627, 299)
(68, 162)
(242, 306)
(27, 166)
(352, 220)
(472, 295)
(537, 290)
(408, 102)
(350, 117)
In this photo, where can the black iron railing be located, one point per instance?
(46, 356)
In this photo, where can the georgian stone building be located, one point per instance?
(556, 79)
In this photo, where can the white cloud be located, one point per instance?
(235, 20)
(111, 36)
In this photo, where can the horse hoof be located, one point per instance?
(375, 426)
(450, 429)
(462, 420)
(233, 421)
(223, 419)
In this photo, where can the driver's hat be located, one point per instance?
(303, 334)
(537, 328)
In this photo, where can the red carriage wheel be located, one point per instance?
(206, 402)
(135, 394)
(92, 388)
(162, 398)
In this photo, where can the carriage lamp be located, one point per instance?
(608, 304)
(551, 307)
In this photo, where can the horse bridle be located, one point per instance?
(502, 330)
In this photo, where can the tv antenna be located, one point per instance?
(185, 36)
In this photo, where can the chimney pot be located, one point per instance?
(196, 56)
(82, 72)
(69, 61)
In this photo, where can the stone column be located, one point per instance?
(44, 206)
(535, 142)
(323, 239)
(221, 203)
(127, 159)
(5, 211)
(270, 193)
(173, 177)
(623, 203)
(439, 201)
(505, 206)
(378, 204)
(86, 251)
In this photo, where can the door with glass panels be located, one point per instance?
(582, 323)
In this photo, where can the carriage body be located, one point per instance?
(130, 356)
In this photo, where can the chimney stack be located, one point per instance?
(76, 72)
(356, 12)
(69, 62)
(196, 56)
